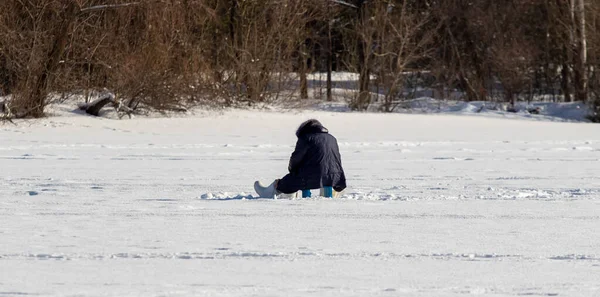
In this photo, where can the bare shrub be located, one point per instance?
(265, 37)
(173, 54)
(403, 41)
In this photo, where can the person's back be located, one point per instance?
(320, 165)
(315, 163)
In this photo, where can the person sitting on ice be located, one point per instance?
(315, 163)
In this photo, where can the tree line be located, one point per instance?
(170, 54)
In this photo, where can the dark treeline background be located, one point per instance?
(168, 54)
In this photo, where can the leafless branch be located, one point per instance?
(107, 6)
(344, 3)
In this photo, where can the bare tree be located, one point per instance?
(403, 40)
(580, 50)
(363, 55)
(267, 34)
(169, 54)
(48, 24)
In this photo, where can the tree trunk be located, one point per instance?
(214, 47)
(329, 84)
(6, 78)
(580, 53)
(364, 97)
(95, 107)
(232, 21)
(565, 81)
(329, 56)
(303, 71)
(233, 43)
(36, 102)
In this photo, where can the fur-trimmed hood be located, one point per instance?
(309, 127)
(315, 162)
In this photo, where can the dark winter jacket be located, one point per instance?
(316, 161)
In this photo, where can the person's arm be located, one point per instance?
(297, 155)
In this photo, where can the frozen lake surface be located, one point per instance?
(437, 205)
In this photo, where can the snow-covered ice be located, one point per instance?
(437, 205)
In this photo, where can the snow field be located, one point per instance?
(437, 205)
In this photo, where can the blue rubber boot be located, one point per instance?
(328, 192)
(306, 194)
